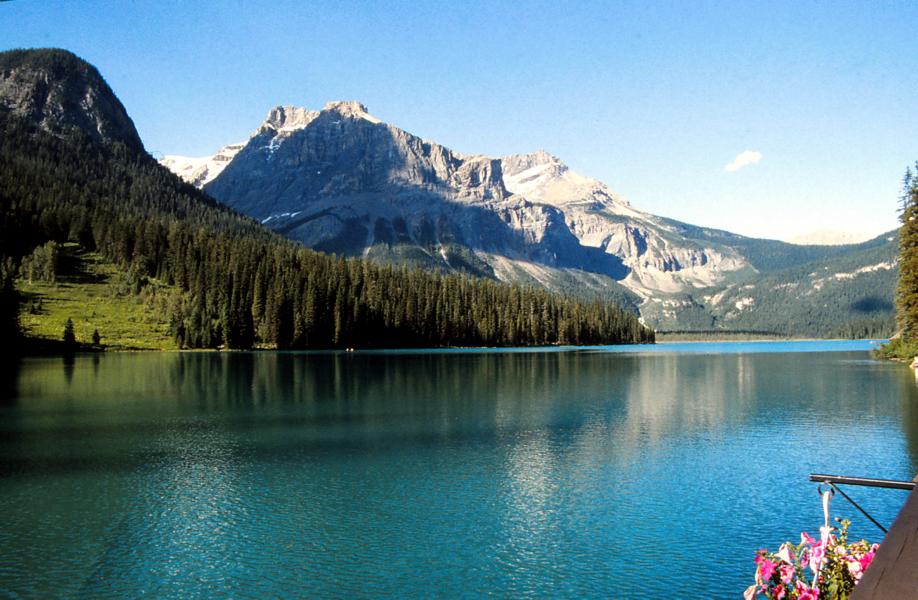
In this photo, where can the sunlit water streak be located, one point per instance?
(639, 472)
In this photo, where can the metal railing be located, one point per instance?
(835, 480)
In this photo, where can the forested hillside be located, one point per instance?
(239, 285)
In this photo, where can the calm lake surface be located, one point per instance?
(625, 472)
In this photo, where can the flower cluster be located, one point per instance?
(812, 570)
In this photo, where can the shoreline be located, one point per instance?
(49, 348)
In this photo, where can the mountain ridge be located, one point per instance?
(58, 91)
(527, 200)
(340, 180)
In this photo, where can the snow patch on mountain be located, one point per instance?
(201, 170)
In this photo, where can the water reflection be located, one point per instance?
(9, 380)
(69, 361)
(374, 474)
(908, 400)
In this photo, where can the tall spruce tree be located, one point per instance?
(907, 291)
(69, 335)
(9, 303)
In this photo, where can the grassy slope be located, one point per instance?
(95, 295)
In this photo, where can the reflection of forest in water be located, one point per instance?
(633, 399)
(907, 383)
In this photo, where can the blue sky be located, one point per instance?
(653, 98)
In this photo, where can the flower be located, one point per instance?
(767, 568)
(817, 556)
(805, 592)
(785, 553)
(838, 564)
(854, 567)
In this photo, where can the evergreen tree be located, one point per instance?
(9, 303)
(907, 291)
(69, 335)
(96, 338)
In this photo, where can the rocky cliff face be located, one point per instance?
(341, 180)
(59, 91)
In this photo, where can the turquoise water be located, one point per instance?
(625, 472)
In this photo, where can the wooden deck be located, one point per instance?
(894, 572)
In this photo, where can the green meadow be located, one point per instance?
(96, 295)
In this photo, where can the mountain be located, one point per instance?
(76, 181)
(201, 171)
(848, 295)
(58, 92)
(827, 237)
(340, 180)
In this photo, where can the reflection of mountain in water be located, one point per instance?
(520, 472)
(587, 401)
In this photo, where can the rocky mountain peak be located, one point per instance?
(288, 118)
(58, 91)
(350, 109)
(518, 163)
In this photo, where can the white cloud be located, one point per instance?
(743, 159)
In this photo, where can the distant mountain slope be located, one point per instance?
(772, 255)
(340, 180)
(843, 296)
(826, 295)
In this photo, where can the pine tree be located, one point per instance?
(907, 291)
(69, 335)
(96, 338)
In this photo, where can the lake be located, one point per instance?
(651, 471)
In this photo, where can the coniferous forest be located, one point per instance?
(239, 285)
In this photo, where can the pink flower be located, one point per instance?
(787, 573)
(817, 557)
(778, 592)
(867, 558)
(767, 568)
(785, 553)
(806, 539)
(855, 568)
(804, 592)
(749, 594)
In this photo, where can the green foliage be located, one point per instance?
(238, 285)
(9, 303)
(69, 336)
(898, 349)
(907, 289)
(90, 291)
(847, 296)
(42, 264)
